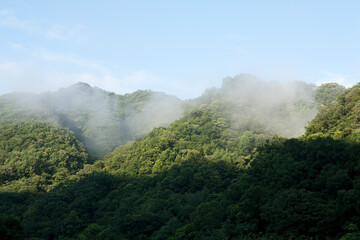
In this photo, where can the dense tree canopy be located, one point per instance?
(219, 172)
(328, 92)
(340, 119)
(35, 156)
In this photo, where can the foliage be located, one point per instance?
(204, 134)
(100, 120)
(271, 107)
(328, 92)
(219, 172)
(36, 156)
(298, 189)
(340, 119)
(10, 228)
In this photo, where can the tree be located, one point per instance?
(10, 228)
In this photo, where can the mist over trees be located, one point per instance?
(100, 120)
(215, 167)
(282, 108)
(327, 93)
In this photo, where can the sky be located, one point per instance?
(178, 47)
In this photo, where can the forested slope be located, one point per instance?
(100, 120)
(340, 119)
(225, 124)
(35, 157)
(217, 173)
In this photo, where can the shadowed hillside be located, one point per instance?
(218, 172)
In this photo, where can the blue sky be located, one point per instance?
(179, 47)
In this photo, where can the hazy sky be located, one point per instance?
(179, 47)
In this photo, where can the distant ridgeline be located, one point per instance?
(222, 169)
(100, 120)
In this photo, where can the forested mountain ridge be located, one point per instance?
(100, 120)
(216, 173)
(225, 124)
(340, 119)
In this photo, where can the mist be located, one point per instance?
(104, 120)
(278, 107)
(158, 111)
(101, 120)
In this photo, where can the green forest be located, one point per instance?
(249, 160)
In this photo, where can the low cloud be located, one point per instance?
(280, 107)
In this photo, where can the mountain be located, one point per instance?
(225, 124)
(222, 171)
(100, 120)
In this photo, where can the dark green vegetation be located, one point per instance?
(216, 173)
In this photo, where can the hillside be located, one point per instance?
(340, 119)
(35, 157)
(218, 172)
(225, 124)
(282, 108)
(100, 120)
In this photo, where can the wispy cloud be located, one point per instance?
(36, 77)
(49, 31)
(100, 75)
(21, 76)
(24, 76)
(5, 12)
(16, 76)
(63, 32)
(16, 46)
(67, 58)
(38, 69)
(343, 80)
